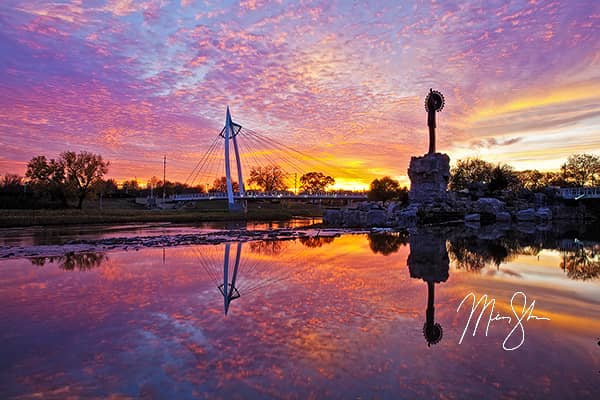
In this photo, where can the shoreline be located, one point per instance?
(137, 243)
(29, 218)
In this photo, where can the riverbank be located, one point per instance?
(82, 246)
(263, 212)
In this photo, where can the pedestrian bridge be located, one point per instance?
(267, 196)
(578, 193)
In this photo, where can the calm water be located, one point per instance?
(52, 235)
(357, 316)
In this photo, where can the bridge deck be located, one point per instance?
(223, 196)
(580, 193)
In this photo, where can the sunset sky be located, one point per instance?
(343, 81)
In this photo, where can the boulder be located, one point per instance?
(503, 216)
(332, 217)
(472, 217)
(376, 218)
(526, 215)
(408, 216)
(543, 214)
(489, 205)
(351, 218)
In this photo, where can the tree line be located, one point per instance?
(579, 170)
(73, 177)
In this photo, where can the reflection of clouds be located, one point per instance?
(348, 324)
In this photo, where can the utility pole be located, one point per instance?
(295, 183)
(164, 177)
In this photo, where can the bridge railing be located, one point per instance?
(580, 192)
(265, 195)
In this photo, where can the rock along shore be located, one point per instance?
(139, 242)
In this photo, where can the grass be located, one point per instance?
(123, 211)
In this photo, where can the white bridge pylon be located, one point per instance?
(230, 132)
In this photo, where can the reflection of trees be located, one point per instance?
(387, 243)
(473, 254)
(316, 241)
(268, 247)
(72, 261)
(581, 263)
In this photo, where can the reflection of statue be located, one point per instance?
(428, 260)
(387, 243)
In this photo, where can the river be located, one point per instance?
(347, 316)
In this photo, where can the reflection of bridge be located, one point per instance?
(275, 165)
(580, 193)
(236, 273)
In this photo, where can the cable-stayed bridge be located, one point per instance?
(222, 170)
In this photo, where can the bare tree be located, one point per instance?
(269, 178)
(48, 177)
(582, 169)
(82, 171)
(314, 182)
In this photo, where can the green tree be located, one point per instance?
(315, 182)
(532, 179)
(554, 179)
(48, 177)
(386, 189)
(82, 171)
(582, 169)
(269, 178)
(469, 171)
(503, 177)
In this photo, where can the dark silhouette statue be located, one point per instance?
(434, 102)
(428, 260)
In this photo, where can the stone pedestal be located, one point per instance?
(429, 176)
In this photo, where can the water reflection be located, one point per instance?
(387, 243)
(268, 247)
(72, 261)
(238, 268)
(476, 251)
(228, 288)
(335, 321)
(581, 262)
(314, 242)
(428, 260)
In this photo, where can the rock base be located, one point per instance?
(429, 176)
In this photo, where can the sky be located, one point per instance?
(343, 81)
